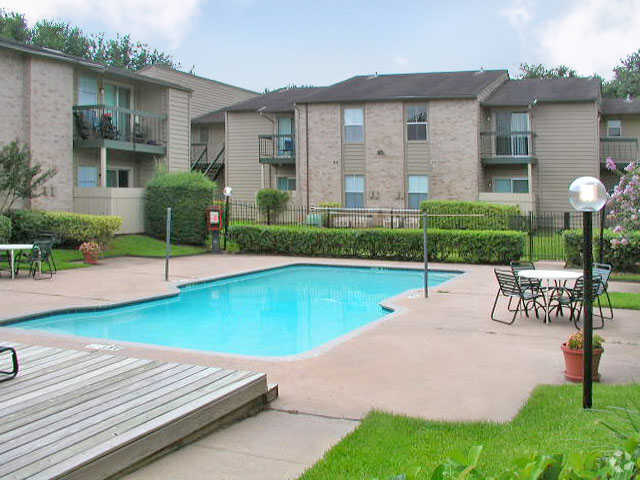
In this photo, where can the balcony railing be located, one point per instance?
(120, 128)
(510, 146)
(619, 149)
(277, 149)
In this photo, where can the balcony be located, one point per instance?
(119, 128)
(620, 149)
(512, 148)
(277, 149)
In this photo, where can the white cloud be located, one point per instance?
(592, 36)
(164, 19)
(400, 60)
(519, 14)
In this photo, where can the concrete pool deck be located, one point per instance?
(437, 358)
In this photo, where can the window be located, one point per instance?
(286, 183)
(87, 90)
(512, 133)
(118, 178)
(354, 191)
(417, 123)
(418, 190)
(204, 135)
(614, 128)
(353, 125)
(87, 177)
(511, 185)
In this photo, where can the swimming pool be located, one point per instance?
(277, 312)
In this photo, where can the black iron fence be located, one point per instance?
(543, 231)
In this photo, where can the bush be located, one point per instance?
(486, 216)
(5, 229)
(623, 257)
(444, 245)
(188, 194)
(271, 202)
(70, 229)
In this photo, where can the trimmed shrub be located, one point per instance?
(188, 194)
(5, 229)
(444, 245)
(625, 258)
(481, 215)
(70, 229)
(271, 202)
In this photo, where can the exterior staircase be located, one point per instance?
(212, 167)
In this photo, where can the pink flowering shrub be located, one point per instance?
(624, 205)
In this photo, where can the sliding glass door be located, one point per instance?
(512, 133)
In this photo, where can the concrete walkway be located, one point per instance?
(438, 358)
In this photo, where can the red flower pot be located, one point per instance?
(90, 258)
(574, 363)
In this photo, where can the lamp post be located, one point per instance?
(227, 195)
(587, 195)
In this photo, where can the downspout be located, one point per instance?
(306, 134)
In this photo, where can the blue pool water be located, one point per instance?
(278, 312)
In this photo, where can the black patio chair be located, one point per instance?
(511, 288)
(9, 374)
(604, 270)
(40, 255)
(573, 298)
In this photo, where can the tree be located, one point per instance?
(271, 202)
(121, 51)
(624, 205)
(540, 71)
(626, 80)
(14, 26)
(19, 178)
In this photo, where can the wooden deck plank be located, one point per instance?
(80, 414)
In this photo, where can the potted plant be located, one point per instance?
(91, 251)
(573, 350)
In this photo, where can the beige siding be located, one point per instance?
(127, 203)
(178, 127)
(566, 148)
(630, 125)
(243, 172)
(208, 95)
(13, 97)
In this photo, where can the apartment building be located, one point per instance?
(395, 140)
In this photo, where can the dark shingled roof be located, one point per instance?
(280, 101)
(217, 116)
(439, 85)
(63, 57)
(517, 93)
(620, 106)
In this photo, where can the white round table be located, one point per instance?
(548, 276)
(11, 248)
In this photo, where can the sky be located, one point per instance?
(269, 44)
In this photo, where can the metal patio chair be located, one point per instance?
(40, 255)
(573, 298)
(604, 270)
(527, 295)
(9, 374)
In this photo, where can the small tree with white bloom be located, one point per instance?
(624, 205)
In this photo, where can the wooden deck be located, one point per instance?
(89, 414)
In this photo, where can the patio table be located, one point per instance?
(548, 276)
(12, 248)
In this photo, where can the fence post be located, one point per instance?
(566, 225)
(426, 257)
(601, 243)
(168, 247)
(530, 232)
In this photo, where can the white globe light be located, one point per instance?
(227, 191)
(587, 194)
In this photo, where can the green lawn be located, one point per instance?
(623, 300)
(552, 421)
(138, 245)
(626, 277)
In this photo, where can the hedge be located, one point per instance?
(5, 229)
(398, 244)
(624, 258)
(486, 216)
(70, 229)
(188, 194)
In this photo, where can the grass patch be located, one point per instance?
(623, 300)
(552, 421)
(626, 277)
